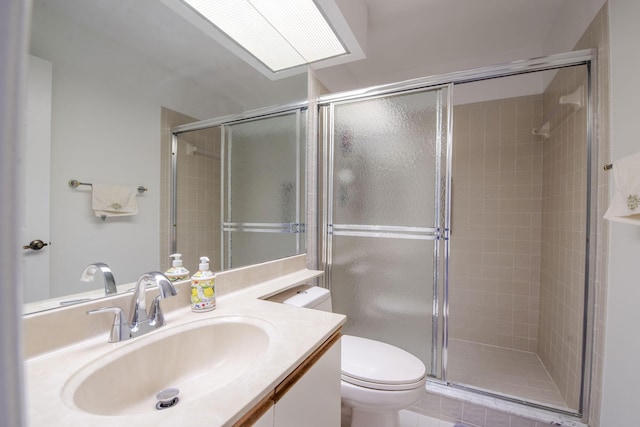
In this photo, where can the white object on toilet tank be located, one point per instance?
(306, 296)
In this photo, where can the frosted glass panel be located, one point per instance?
(264, 193)
(385, 150)
(254, 247)
(386, 217)
(385, 287)
(264, 158)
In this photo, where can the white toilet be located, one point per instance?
(378, 379)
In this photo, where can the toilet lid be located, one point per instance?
(381, 366)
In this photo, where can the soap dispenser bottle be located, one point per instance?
(177, 271)
(203, 288)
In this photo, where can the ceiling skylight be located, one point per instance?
(281, 34)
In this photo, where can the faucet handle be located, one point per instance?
(120, 330)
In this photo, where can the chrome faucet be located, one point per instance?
(89, 275)
(141, 321)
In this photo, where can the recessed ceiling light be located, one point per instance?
(281, 34)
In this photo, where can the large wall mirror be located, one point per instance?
(108, 79)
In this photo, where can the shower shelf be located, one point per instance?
(192, 150)
(575, 100)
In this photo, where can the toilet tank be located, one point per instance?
(305, 296)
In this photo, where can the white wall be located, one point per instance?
(506, 87)
(101, 134)
(573, 18)
(103, 131)
(622, 346)
(14, 15)
(36, 170)
(106, 111)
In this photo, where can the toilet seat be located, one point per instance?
(380, 366)
(382, 386)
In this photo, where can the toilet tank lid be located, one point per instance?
(378, 362)
(305, 296)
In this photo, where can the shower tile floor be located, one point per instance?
(510, 372)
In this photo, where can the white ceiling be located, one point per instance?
(416, 38)
(405, 39)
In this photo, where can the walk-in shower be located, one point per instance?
(457, 224)
(517, 250)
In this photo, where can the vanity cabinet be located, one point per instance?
(314, 400)
(309, 396)
(266, 420)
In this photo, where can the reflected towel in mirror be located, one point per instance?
(625, 204)
(114, 200)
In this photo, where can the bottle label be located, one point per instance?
(203, 294)
(177, 277)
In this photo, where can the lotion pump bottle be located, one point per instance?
(177, 271)
(203, 288)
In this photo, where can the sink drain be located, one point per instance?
(167, 398)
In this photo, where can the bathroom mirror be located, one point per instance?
(101, 74)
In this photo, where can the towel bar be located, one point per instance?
(73, 183)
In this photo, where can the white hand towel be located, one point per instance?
(625, 204)
(114, 200)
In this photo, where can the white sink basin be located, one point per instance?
(197, 358)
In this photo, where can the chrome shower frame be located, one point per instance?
(587, 57)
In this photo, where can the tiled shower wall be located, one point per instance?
(198, 206)
(199, 199)
(560, 159)
(168, 119)
(496, 223)
(518, 232)
(562, 280)
(563, 266)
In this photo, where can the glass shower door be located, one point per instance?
(385, 180)
(263, 189)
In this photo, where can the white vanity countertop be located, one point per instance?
(298, 332)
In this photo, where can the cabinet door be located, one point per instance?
(314, 401)
(266, 420)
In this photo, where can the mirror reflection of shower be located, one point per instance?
(264, 189)
(240, 188)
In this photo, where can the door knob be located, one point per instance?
(35, 245)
